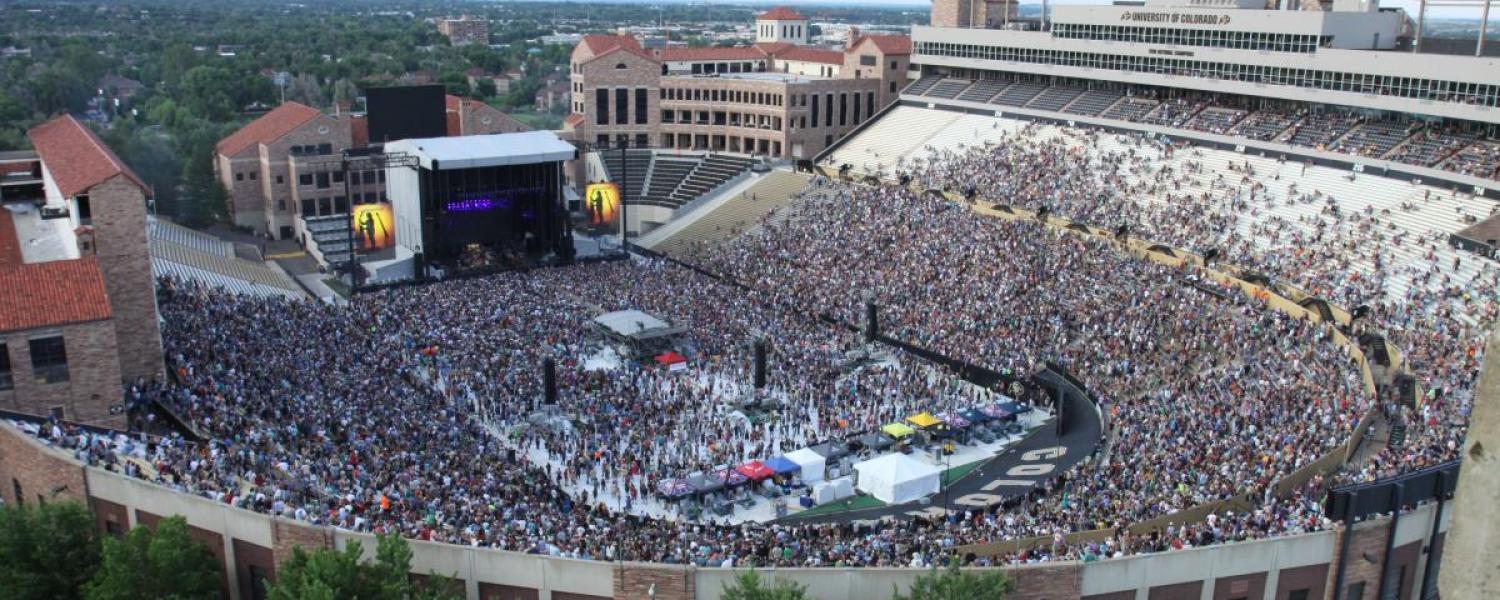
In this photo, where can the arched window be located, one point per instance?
(621, 66)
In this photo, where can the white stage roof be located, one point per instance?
(471, 151)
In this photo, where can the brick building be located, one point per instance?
(472, 117)
(465, 30)
(279, 169)
(77, 299)
(776, 98)
(978, 14)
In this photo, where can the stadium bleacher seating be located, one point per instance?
(1373, 139)
(983, 90)
(1093, 102)
(1264, 125)
(1216, 120)
(713, 171)
(949, 88)
(903, 129)
(739, 213)
(1328, 130)
(186, 254)
(920, 86)
(1054, 98)
(1019, 93)
(1130, 109)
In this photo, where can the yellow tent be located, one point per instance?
(897, 430)
(923, 420)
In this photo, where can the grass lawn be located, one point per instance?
(846, 505)
(958, 472)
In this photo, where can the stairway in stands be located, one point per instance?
(1398, 436)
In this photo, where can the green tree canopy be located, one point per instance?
(156, 563)
(330, 574)
(46, 551)
(953, 583)
(748, 586)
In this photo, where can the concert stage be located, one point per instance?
(479, 203)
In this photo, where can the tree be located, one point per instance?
(47, 551)
(165, 562)
(748, 586)
(955, 584)
(327, 573)
(485, 88)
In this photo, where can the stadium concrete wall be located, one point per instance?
(250, 545)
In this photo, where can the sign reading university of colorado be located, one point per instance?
(1174, 18)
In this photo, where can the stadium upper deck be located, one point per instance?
(1343, 53)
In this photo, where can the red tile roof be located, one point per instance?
(46, 294)
(692, 54)
(75, 157)
(817, 55)
(889, 44)
(781, 13)
(602, 44)
(774, 47)
(268, 128)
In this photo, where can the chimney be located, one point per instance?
(853, 37)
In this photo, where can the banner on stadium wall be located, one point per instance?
(602, 202)
(373, 226)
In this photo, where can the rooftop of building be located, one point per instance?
(45, 294)
(267, 128)
(758, 76)
(781, 13)
(75, 158)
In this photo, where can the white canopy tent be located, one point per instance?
(896, 478)
(811, 463)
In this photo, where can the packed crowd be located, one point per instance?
(1350, 254)
(412, 409)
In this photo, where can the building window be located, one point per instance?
(893, 65)
(622, 107)
(640, 105)
(866, 60)
(893, 87)
(6, 380)
(828, 110)
(253, 175)
(601, 107)
(843, 108)
(1355, 591)
(278, 180)
(304, 179)
(856, 107)
(322, 181)
(325, 149)
(621, 66)
(239, 176)
(85, 210)
(309, 208)
(815, 105)
(338, 176)
(49, 359)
